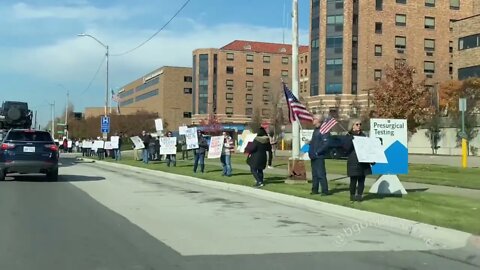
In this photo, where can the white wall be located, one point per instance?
(419, 143)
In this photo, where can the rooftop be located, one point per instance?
(262, 47)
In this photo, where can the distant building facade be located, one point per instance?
(466, 51)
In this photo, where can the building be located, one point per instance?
(166, 91)
(352, 42)
(243, 78)
(466, 49)
(100, 111)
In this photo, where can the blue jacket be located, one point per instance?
(318, 145)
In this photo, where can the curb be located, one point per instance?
(433, 236)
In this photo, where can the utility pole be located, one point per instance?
(52, 107)
(295, 125)
(106, 92)
(66, 116)
(35, 125)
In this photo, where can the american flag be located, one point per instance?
(296, 110)
(115, 97)
(328, 125)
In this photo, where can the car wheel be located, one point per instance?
(52, 175)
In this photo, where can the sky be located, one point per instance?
(41, 56)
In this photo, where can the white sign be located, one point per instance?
(108, 145)
(137, 142)
(462, 104)
(249, 138)
(168, 145)
(305, 137)
(98, 144)
(69, 144)
(86, 144)
(216, 145)
(393, 134)
(369, 150)
(191, 138)
(115, 142)
(158, 124)
(182, 130)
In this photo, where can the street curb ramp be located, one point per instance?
(434, 236)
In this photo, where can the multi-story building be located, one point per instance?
(466, 49)
(166, 91)
(243, 78)
(352, 42)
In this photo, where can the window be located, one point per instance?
(249, 71)
(249, 57)
(249, 97)
(187, 78)
(187, 114)
(229, 110)
(400, 62)
(229, 96)
(306, 59)
(333, 64)
(429, 45)
(400, 20)
(187, 90)
(266, 84)
(379, 5)
(400, 42)
(266, 72)
(429, 23)
(430, 3)
(468, 72)
(284, 73)
(230, 56)
(333, 88)
(450, 68)
(248, 111)
(455, 4)
(266, 112)
(335, 19)
(401, 1)
(306, 72)
(377, 74)
(314, 43)
(354, 63)
(429, 67)
(451, 46)
(230, 70)
(378, 27)
(378, 50)
(335, 42)
(266, 98)
(147, 95)
(284, 60)
(266, 59)
(229, 83)
(249, 84)
(469, 42)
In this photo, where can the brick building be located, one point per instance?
(242, 78)
(466, 49)
(353, 41)
(166, 91)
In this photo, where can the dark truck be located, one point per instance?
(15, 114)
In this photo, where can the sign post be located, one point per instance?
(105, 124)
(462, 106)
(394, 140)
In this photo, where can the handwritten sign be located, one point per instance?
(137, 142)
(115, 142)
(159, 124)
(369, 150)
(108, 145)
(216, 145)
(182, 130)
(191, 138)
(168, 145)
(98, 144)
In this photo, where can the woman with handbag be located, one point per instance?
(257, 156)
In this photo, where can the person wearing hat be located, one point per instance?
(200, 153)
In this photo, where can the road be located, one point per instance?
(104, 219)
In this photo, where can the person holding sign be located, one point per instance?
(146, 138)
(355, 169)
(257, 156)
(200, 153)
(171, 159)
(226, 157)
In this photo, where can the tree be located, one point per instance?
(212, 125)
(256, 120)
(277, 117)
(399, 96)
(449, 93)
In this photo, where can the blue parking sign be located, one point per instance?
(105, 124)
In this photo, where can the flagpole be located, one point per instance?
(295, 124)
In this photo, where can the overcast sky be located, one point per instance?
(41, 54)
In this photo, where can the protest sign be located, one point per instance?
(108, 145)
(168, 145)
(248, 138)
(158, 124)
(98, 144)
(216, 145)
(369, 150)
(305, 137)
(182, 130)
(115, 142)
(137, 142)
(191, 138)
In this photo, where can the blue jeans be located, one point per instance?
(172, 159)
(319, 175)
(226, 164)
(145, 155)
(118, 154)
(199, 159)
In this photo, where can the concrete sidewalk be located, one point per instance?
(409, 186)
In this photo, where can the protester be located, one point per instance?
(183, 145)
(257, 156)
(146, 138)
(317, 151)
(200, 153)
(65, 145)
(271, 153)
(356, 170)
(226, 157)
(156, 155)
(118, 151)
(171, 158)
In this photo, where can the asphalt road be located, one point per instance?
(101, 219)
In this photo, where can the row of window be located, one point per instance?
(250, 57)
(454, 4)
(140, 97)
(248, 111)
(248, 97)
(248, 84)
(400, 43)
(401, 20)
(469, 42)
(249, 71)
(428, 68)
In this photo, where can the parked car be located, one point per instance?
(337, 147)
(27, 151)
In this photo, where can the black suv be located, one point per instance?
(337, 147)
(14, 114)
(28, 151)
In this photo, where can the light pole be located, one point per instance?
(65, 129)
(106, 55)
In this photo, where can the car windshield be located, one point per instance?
(27, 136)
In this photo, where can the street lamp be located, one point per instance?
(106, 55)
(65, 130)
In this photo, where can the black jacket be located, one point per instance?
(355, 168)
(146, 140)
(202, 145)
(318, 145)
(257, 150)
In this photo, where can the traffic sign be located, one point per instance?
(105, 124)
